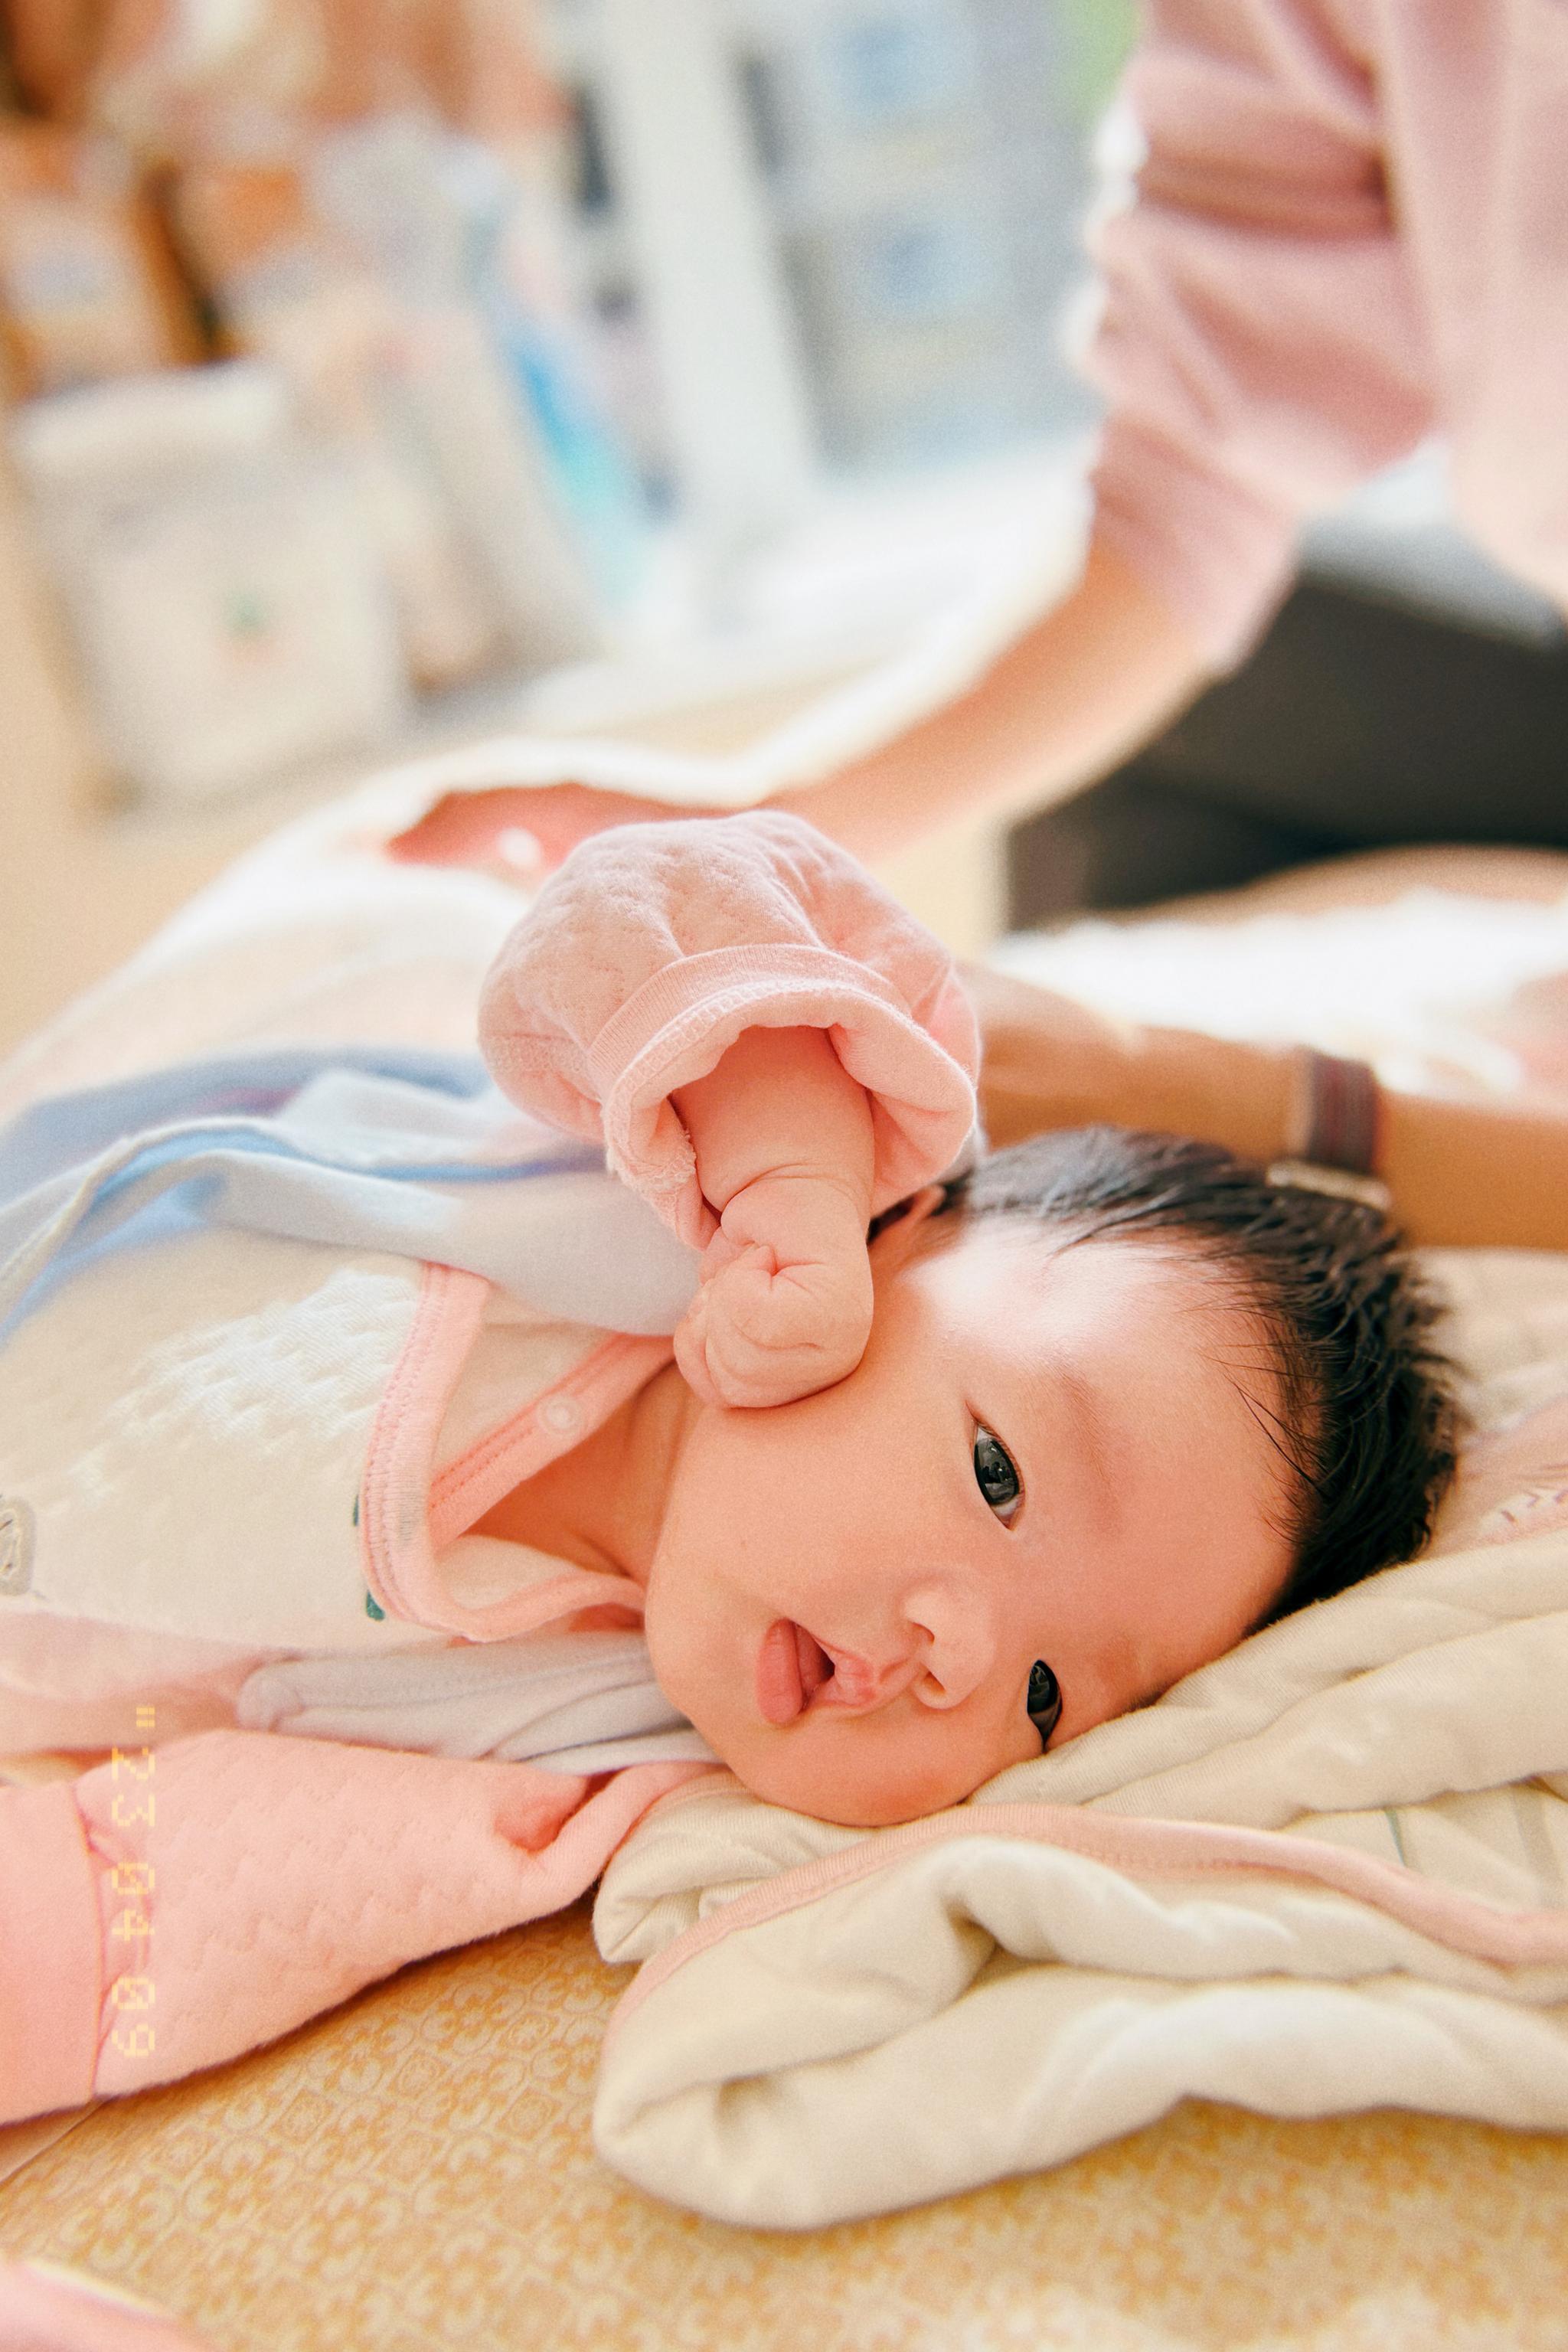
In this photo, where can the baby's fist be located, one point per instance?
(785, 1302)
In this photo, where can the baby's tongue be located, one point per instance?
(790, 1667)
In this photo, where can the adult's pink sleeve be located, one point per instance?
(167, 1912)
(656, 945)
(1261, 344)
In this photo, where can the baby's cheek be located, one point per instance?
(674, 1667)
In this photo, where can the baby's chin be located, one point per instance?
(788, 1769)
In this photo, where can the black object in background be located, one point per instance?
(1357, 723)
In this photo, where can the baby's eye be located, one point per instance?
(1045, 1700)
(995, 1475)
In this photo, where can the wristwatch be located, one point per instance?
(1332, 1137)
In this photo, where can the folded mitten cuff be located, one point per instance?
(680, 1024)
(656, 945)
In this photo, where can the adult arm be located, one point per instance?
(1095, 678)
(1262, 347)
(1462, 1173)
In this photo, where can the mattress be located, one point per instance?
(414, 2173)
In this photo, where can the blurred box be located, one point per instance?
(285, 289)
(88, 288)
(230, 622)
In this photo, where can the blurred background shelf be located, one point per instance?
(682, 366)
(90, 874)
(592, 370)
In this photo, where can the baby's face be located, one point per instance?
(1043, 1453)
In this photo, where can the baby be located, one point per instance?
(942, 1465)
(1062, 1431)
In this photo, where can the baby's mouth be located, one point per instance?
(794, 1667)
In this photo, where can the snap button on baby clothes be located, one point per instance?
(561, 1413)
(15, 1544)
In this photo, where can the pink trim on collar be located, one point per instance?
(540, 1431)
(408, 1514)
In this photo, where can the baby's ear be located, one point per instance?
(892, 1237)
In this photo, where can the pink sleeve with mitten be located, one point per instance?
(166, 1913)
(656, 945)
(1263, 345)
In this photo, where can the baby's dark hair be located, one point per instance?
(1368, 1421)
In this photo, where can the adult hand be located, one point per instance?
(525, 830)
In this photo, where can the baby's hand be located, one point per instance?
(784, 1307)
(783, 1146)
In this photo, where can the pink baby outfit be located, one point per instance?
(45, 2308)
(1350, 231)
(184, 1901)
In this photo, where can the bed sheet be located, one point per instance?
(1440, 988)
(414, 2173)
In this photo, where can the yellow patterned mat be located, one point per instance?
(414, 2174)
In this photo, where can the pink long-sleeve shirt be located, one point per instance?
(1350, 231)
(184, 1901)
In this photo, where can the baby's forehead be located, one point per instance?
(1037, 1290)
(1040, 1257)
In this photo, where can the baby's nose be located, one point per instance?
(956, 1640)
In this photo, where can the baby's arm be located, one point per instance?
(785, 1160)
